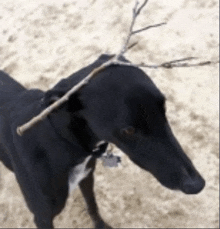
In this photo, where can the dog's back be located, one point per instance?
(9, 88)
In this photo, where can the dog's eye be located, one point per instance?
(128, 130)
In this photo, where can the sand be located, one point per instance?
(42, 42)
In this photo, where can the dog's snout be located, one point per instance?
(193, 185)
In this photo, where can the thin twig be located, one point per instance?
(175, 65)
(170, 64)
(182, 59)
(148, 27)
(132, 45)
(136, 12)
(141, 7)
(124, 47)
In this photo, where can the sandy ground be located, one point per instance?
(44, 41)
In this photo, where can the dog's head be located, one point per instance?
(123, 106)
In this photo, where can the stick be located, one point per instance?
(170, 64)
(21, 129)
(136, 12)
(113, 61)
(148, 27)
(63, 99)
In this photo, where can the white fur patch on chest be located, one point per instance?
(78, 173)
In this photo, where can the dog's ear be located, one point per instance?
(73, 104)
(52, 96)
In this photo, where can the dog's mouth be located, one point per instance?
(188, 184)
(192, 185)
(191, 182)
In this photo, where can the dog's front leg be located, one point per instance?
(43, 222)
(87, 189)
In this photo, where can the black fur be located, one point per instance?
(120, 105)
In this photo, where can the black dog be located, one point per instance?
(120, 105)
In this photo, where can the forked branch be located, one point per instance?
(113, 61)
(136, 12)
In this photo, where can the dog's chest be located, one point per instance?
(78, 173)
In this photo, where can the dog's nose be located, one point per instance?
(193, 185)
